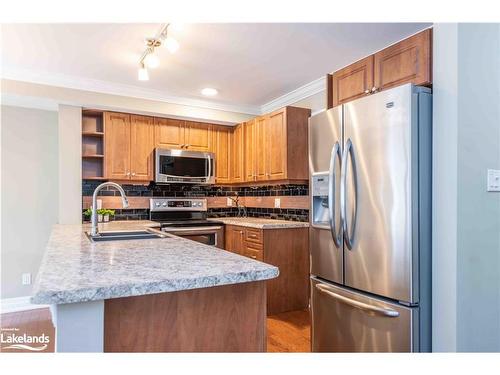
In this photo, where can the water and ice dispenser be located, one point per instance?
(320, 199)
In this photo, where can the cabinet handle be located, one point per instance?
(187, 146)
(128, 174)
(367, 91)
(133, 173)
(182, 146)
(253, 257)
(374, 89)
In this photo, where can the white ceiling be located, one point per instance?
(250, 64)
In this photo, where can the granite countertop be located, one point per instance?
(254, 222)
(74, 269)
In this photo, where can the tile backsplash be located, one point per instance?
(177, 190)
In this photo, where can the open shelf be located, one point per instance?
(93, 145)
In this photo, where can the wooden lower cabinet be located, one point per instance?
(227, 318)
(287, 249)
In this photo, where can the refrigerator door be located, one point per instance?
(377, 177)
(346, 321)
(325, 236)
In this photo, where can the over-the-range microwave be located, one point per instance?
(184, 167)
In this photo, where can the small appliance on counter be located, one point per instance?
(187, 217)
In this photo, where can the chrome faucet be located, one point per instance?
(93, 229)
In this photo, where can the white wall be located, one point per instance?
(29, 195)
(70, 164)
(466, 225)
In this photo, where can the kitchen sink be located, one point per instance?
(126, 235)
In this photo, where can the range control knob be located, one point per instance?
(157, 204)
(164, 204)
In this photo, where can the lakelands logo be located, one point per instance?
(11, 339)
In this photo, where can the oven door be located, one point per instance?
(187, 167)
(213, 235)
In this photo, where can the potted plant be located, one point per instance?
(103, 214)
(106, 214)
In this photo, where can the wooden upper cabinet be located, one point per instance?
(250, 150)
(276, 146)
(260, 146)
(404, 62)
(408, 61)
(238, 155)
(222, 149)
(169, 133)
(352, 82)
(117, 146)
(198, 136)
(141, 147)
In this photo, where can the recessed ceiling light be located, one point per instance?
(151, 60)
(208, 91)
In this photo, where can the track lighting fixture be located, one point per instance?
(148, 58)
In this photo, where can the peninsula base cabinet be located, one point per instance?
(286, 249)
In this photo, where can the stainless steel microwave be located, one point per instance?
(184, 167)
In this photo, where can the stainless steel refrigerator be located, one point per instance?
(370, 232)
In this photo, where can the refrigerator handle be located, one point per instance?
(357, 304)
(348, 232)
(332, 179)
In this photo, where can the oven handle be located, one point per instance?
(191, 229)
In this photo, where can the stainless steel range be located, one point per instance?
(187, 217)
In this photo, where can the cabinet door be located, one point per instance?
(260, 146)
(222, 149)
(141, 147)
(198, 136)
(235, 239)
(352, 82)
(169, 133)
(250, 154)
(276, 150)
(404, 62)
(117, 146)
(238, 155)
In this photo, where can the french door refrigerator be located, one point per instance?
(370, 232)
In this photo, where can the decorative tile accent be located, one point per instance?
(260, 196)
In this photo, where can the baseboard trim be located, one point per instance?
(8, 305)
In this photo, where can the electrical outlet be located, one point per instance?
(229, 202)
(277, 202)
(26, 279)
(493, 183)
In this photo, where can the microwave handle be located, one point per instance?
(209, 174)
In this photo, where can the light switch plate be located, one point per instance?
(229, 202)
(26, 278)
(493, 183)
(277, 202)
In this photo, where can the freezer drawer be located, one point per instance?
(347, 321)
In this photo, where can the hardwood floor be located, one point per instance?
(30, 322)
(289, 332)
(286, 332)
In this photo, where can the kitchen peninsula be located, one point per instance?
(152, 295)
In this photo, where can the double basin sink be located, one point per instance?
(146, 234)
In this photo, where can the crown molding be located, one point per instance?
(294, 96)
(112, 88)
